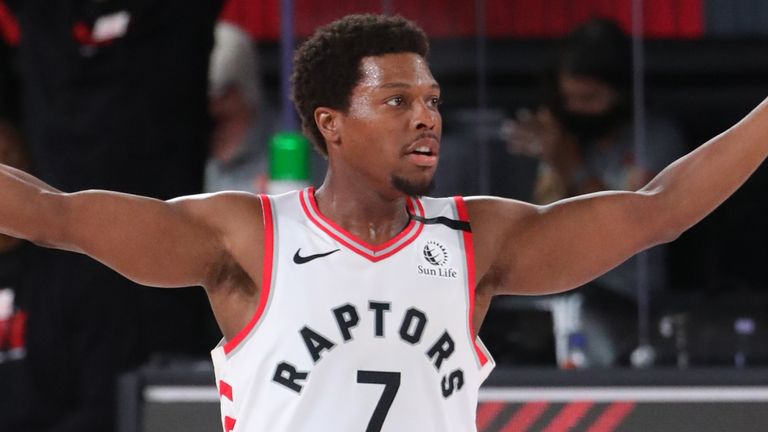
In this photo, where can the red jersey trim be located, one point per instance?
(469, 250)
(229, 424)
(266, 280)
(225, 390)
(351, 242)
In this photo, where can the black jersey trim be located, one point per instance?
(457, 225)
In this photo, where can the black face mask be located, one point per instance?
(589, 127)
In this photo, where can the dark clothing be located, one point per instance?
(120, 107)
(75, 343)
(9, 85)
(14, 311)
(126, 114)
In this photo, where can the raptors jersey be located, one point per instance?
(351, 337)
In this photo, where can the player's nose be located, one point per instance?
(425, 116)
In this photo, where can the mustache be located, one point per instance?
(427, 135)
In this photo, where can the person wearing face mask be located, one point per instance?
(583, 131)
(584, 137)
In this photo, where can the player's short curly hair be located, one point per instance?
(326, 67)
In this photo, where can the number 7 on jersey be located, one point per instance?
(391, 382)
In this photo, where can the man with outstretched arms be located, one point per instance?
(356, 306)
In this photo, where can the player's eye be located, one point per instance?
(396, 101)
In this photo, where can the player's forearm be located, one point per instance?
(22, 205)
(27, 178)
(696, 184)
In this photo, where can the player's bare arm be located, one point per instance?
(187, 241)
(526, 249)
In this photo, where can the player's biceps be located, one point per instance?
(100, 224)
(529, 265)
(194, 245)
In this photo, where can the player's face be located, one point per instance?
(391, 132)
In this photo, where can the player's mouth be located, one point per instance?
(424, 151)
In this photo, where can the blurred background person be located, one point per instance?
(14, 260)
(583, 135)
(57, 352)
(114, 96)
(243, 120)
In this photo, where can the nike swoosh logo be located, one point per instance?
(298, 259)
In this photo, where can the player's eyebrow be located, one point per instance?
(397, 84)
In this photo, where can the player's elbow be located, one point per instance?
(664, 223)
(51, 219)
(669, 234)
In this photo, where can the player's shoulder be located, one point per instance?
(497, 210)
(221, 208)
(219, 199)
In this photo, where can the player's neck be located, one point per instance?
(371, 216)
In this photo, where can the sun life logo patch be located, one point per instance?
(438, 261)
(435, 253)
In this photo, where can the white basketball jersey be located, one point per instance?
(351, 337)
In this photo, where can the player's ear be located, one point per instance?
(328, 121)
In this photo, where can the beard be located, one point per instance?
(412, 188)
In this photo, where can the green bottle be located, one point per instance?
(288, 162)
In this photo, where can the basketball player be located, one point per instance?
(356, 306)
